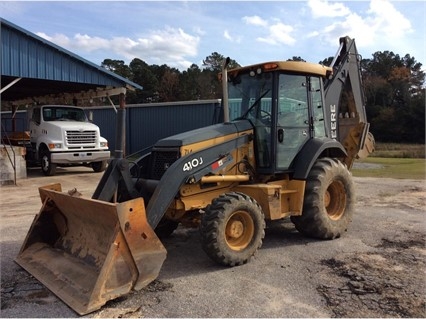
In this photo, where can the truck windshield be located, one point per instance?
(52, 113)
(250, 96)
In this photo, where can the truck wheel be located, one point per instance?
(232, 229)
(329, 201)
(99, 166)
(48, 168)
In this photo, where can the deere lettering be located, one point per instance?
(333, 121)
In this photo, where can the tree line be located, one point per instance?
(393, 85)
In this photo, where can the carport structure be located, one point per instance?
(36, 71)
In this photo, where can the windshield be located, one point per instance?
(53, 113)
(249, 96)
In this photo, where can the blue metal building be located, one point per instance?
(34, 70)
(147, 123)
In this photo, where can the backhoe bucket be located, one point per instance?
(88, 251)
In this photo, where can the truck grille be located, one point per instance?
(80, 137)
(161, 161)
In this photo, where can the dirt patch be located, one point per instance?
(403, 194)
(157, 286)
(413, 197)
(379, 284)
(134, 304)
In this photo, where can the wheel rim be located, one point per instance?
(335, 200)
(239, 230)
(45, 163)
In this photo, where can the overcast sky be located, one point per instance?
(180, 33)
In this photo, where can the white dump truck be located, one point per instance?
(62, 135)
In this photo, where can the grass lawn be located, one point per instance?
(403, 168)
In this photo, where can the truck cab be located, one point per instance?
(62, 135)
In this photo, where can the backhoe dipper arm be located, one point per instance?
(180, 172)
(346, 66)
(348, 123)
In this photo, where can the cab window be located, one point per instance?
(317, 107)
(36, 117)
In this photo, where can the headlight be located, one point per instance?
(55, 145)
(104, 144)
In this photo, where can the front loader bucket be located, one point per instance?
(88, 251)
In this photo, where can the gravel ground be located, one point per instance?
(377, 269)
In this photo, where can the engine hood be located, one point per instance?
(72, 125)
(204, 133)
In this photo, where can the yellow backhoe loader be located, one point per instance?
(290, 135)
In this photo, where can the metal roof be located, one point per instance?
(36, 70)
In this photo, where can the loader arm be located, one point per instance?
(213, 159)
(116, 181)
(352, 130)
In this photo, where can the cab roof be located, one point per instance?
(290, 66)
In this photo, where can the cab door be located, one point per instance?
(293, 125)
(35, 124)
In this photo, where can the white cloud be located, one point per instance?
(199, 31)
(87, 43)
(381, 23)
(278, 32)
(231, 38)
(322, 8)
(353, 26)
(59, 39)
(256, 21)
(389, 20)
(169, 46)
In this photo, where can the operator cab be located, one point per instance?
(284, 101)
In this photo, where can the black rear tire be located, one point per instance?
(232, 229)
(329, 201)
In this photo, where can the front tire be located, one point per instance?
(329, 201)
(99, 166)
(232, 229)
(48, 168)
